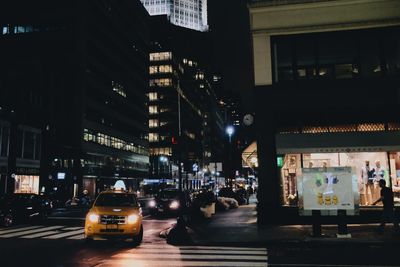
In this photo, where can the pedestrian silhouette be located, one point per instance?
(388, 207)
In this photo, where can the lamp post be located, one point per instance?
(230, 130)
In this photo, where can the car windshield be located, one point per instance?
(116, 200)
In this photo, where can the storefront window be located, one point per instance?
(26, 184)
(370, 167)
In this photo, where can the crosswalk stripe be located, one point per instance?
(189, 257)
(71, 233)
(77, 237)
(200, 247)
(202, 251)
(73, 228)
(18, 229)
(152, 263)
(40, 234)
(30, 231)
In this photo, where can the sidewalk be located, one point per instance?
(239, 226)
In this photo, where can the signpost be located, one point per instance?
(328, 191)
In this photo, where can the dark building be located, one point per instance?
(183, 111)
(74, 77)
(327, 90)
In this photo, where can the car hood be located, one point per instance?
(121, 211)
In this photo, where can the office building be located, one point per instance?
(88, 75)
(191, 14)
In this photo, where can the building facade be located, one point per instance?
(184, 117)
(326, 79)
(88, 76)
(191, 14)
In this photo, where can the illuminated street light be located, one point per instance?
(230, 130)
(163, 159)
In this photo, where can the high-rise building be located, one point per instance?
(191, 14)
(185, 122)
(73, 95)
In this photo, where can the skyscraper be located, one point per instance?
(191, 14)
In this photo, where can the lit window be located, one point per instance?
(5, 30)
(153, 137)
(160, 56)
(111, 141)
(153, 69)
(153, 123)
(165, 69)
(160, 82)
(153, 109)
(153, 96)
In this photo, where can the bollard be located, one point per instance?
(316, 223)
(342, 225)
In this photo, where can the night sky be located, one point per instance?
(230, 29)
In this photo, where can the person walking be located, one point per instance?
(388, 207)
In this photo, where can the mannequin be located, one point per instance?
(367, 183)
(378, 174)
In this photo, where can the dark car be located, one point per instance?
(239, 194)
(23, 208)
(170, 201)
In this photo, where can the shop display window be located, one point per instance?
(370, 167)
(27, 184)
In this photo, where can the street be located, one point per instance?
(60, 242)
(227, 240)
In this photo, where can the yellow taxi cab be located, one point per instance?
(115, 214)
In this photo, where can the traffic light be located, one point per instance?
(174, 140)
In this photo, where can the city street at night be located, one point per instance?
(215, 133)
(60, 242)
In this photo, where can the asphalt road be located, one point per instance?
(60, 242)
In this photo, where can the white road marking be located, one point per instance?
(189, 257)
(64, 234)
(31, 231)
(165, 255)
(73, 228)
(152, 263)
(200, 247)
(202, 251)
(19, 229)
(40, 234)
(77, 237)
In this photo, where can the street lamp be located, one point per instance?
(230, 130)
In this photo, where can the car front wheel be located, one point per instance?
(8, 220)
(137, 239)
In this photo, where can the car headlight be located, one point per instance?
(133, 218)
(152, 203)
(174, 204)
(93, 217)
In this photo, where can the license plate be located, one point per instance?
(112, 226)
(161, 210)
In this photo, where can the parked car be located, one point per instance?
(228, 192)
(171, 202)
(16, 208)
